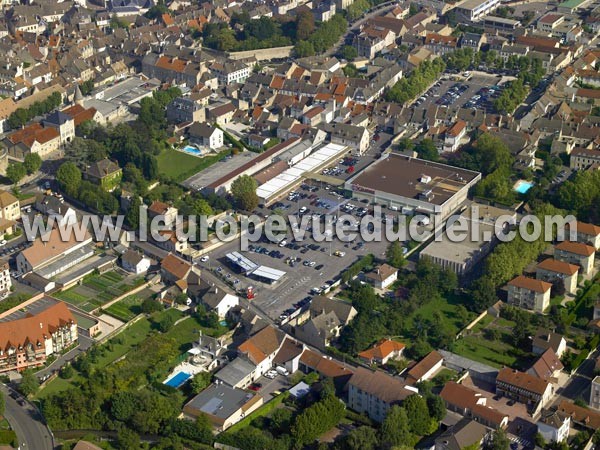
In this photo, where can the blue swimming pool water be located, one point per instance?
(178, 379)
(192, 150)
(523, 186)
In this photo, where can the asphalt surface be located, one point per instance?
(27, 422)
(579, 383)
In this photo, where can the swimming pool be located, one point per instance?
(178, 379)
(522, 186)
(192, 150)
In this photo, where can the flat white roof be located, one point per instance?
(241, 261)
(269, 273)
(294, 173)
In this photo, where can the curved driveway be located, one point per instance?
(27, 422)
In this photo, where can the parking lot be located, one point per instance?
(309, 265)
(477, 93)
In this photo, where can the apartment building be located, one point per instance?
(30, 340)
(476, 9)
(553, 271)
(595, 393)
(374, 392)
(583, 158)
(529, 293)
(588, 234)
(10, 208)
(576, 253)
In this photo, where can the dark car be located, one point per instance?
(255, 387)
(319, 267)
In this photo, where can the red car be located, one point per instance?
(255, 387)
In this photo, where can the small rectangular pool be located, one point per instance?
(192, 150)
(178, 379)
(522, 186)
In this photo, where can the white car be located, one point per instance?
(303, 210)
(283, 243)
(271, 374)
(205, 258)
(2, 243)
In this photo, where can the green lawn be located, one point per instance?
(56, 385)
(496, 353)
(126, 309)
(179, 166)
(263, 411)
(448, 307)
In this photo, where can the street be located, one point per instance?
(27, 422)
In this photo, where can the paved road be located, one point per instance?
(27, 422)
(84, 344)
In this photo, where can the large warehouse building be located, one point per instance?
(423, 187)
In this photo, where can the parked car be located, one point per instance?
(255, 387)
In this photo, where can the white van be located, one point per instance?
(282, 371)
(393, 207)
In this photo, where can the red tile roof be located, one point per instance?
(382, 349)
(522, 380)
(424, 366)
(531, 284)
(554, 265)
(576, 247)
(34, 329)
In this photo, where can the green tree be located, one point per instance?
(15, 172)
(304, 49)
(349, 52)
(419, 421)
(426, 149)
(200, 382)
(202, 207)
(29, 383)
(128, 439)
(32, 163)
(437, 407)
(132, 218)
(166, 322)
(2, 403)
(243, 190)
(361, 438)
(395, 428)
(150, 306)
(394, 255)
(66, 371)
(498, 441)
(69, 178)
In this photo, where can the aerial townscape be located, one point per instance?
(150, 300)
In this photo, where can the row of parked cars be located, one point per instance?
(483, 97)
(452, 94)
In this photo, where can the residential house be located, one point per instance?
(545, 339)
(583, 158)
(5, 280)
(10, 208)
(169, 69)
(185, 109)
(221, 114)
(174, 269)
(219, 301)
(547, 367)
(554, 425)
(206, 135)
(29, 341)
(464, 434)
(343, 310)
(529, 293)
(524, 388)
(239, 373)
(32, 139)
(55, 208)
(135, 262)
(352, 136)
(588, 234)
(50, 255)
(374, 392)
(439, 44)
(554, 271)
(473, 41)
(425, 369)
(64, 123)
(382, 276)
(326, 367)
(262, 348)
(170, 241)
(105, 173)
(224, 406)
(576, 253)
(471, 404)
(371, 40)
(209, 352)
(289, 355)
(231, 71)
(164, 212)
(454, 134)
(320, 331)
(581, 415)
(382, 352)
